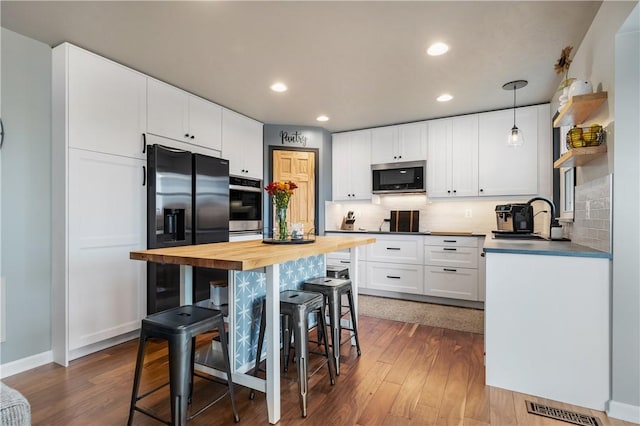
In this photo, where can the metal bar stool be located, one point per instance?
(295, 307)
(333, 289)
(179, 327)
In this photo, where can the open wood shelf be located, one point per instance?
(580, 156)
(579, 108)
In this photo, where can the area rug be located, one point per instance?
(451, 317)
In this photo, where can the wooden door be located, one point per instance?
(299, 167)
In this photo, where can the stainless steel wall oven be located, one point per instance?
(245, 204)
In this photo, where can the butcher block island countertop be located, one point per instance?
(246, 255)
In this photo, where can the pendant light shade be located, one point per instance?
(515, 137)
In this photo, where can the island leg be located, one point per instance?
(186, 285)
(273, 342)
(355, 280)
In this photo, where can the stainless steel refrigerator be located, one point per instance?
(187, 203)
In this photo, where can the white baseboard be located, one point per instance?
(622, 411)
(24, 364)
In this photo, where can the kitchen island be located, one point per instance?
(253, 263)
(547, 320)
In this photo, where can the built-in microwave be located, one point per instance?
(399, 177)
(245, 204)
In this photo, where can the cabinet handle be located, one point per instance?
(345, 261)
(393, 277)
(186, 135)
(144, 143)
(482, 254)
(448, 191)
(144, 175)
(400, 157)
(454, 191)
(1, 133)
(449, 249)
(449, 270)
(450, 241)
(193, 137)
(481, 190)
(393, 248)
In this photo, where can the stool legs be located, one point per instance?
(227, 365)
(179, 380)
(136, 378)
(354, 323)
(301, 328)
(334, 322)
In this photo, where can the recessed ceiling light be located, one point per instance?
(322, 118)
(445, 97)
(437, 49)
(279, 87)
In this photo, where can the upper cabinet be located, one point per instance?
(100, 93)
(406, 142)
(452, 160)
(176, 114)
(351, 165)
(505, 170)
(242, 144)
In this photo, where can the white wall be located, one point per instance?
(26, 195)
(625, 393)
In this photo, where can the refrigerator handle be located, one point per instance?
(1, 133)
(144, 175)
(144, 143)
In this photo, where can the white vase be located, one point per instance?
(580, 87)
(564, 98)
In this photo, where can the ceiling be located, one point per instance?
(361, 63)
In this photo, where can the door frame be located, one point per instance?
(316, 173)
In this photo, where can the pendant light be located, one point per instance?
(515, 137)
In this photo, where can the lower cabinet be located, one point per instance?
(455, 283)
(430, 265)
(102, 295)
(451, 267)
(396, 277)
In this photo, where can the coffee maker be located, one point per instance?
(514, 218)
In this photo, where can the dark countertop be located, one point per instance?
(542, 247)
(456, 233)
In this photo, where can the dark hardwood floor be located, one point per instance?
(408, 374)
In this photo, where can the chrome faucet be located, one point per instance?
(552, 221)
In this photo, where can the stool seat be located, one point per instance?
(180, 326)
(295, 307)
(337, 271)
(333, 289)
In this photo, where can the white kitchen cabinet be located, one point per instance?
(99, 93)
(176, 114)
(351, 165)
(505, 170)
(106, 219)
(98, 208)
(394, 263)
(242, 144)
(395, 277)
(452, 160)
(405, 142)
(451, 267)
(396, 249)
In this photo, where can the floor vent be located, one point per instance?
(563, 415)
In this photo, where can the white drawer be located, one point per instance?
(396, 249)
(451, 241)
(395, 277)
(462, 257)
(455, 283)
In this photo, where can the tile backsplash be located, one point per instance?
(457, 215)
(592, 214)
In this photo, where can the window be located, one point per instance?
(567, 182)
